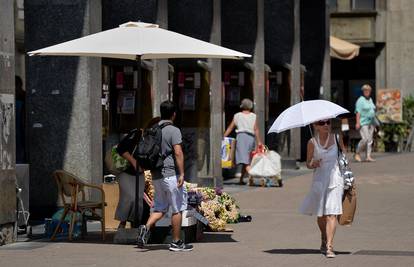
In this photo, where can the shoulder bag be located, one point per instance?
(349, 199)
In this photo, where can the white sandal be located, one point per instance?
(330, 252)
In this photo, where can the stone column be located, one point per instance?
(380, 69)
(216, 99)
(64, 95)
(295, 138)
(160, 71)
(380, 43)
(326, 70)
(259, 78)
(7, 125)
(400, 46)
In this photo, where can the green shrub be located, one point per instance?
(394, 133)
(408, 109)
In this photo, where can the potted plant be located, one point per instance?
(392, 135)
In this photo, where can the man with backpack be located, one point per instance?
(166, 162)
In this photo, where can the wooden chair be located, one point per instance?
(69, 189)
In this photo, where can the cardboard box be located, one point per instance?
(111, 198)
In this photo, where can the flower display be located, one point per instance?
(213, 211)
(149, 187)
(218, 207)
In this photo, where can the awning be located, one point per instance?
(342, 49)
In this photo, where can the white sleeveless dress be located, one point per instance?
(325, 196)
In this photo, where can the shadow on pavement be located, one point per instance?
(298, 251)
(384, 253)
(152, 247)
(95, 238)
(250, 186)
(217, 238)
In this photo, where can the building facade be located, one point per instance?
(384, 30)
(72, 102)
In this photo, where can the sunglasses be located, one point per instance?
(322, 123)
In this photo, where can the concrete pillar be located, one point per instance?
(160, 71)
(400, 46)
(326, 70)
(380, 69)
(7, 125)
(295, 137)
(216, 100)
(64, 95)
(259, 72)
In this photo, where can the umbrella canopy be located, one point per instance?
(305, 113)
(342, 49)
(133, 39)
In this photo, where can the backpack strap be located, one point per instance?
(165, 124)
(162, 126)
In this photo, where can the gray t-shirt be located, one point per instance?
(171, 136)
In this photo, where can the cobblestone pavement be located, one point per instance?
(382, 234)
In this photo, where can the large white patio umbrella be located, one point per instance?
(305, 113)
(138, 41)
(133, 40)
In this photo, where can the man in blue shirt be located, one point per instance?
(365, 119)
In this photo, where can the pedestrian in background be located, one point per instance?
(365, 123)
(126, 205)
(125, 210)
(325, 197)
(248, 135)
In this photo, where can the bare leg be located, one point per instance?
(322, 227)
(330, 233)
(153, 219)
(251, 182)
(243, 173)
(176, 226)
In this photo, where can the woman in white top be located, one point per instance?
(247, 135)
(325, 197)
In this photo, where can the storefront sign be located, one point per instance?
(389, 105)
(119, 80)
(181, 79)
(188, 98)
(126, 102)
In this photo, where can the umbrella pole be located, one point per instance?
(139, 183)
(310, 129)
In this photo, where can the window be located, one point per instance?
(333, 5)
(363, 4)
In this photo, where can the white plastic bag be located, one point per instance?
(267, 164)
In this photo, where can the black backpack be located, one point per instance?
(148, 153)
